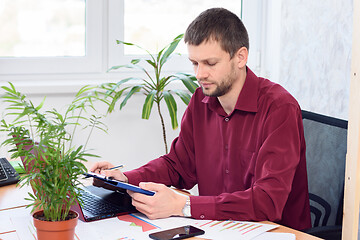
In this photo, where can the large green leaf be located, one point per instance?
(188, 80)
(41, 104)
(131, 44)
(184, 96)
(115, 98)
(172, 107)
(131, 66)
(153, 64)
(170, 49)
(132, 91)
(149, 101)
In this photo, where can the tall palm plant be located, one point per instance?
(154, 86)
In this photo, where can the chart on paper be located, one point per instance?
(137, 221)
(244, 230)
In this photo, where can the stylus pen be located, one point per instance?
(120, 166)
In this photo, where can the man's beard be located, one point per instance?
(224, 86)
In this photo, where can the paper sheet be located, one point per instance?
(213, 229)
(276, 236)
(9, 236)
(6, 225)
(138, 226)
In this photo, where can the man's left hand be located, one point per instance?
(165, 203)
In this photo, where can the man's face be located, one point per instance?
(214, 69)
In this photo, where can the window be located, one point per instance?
(42, 28)
(71, 40)
(153, 23)
(50, 36)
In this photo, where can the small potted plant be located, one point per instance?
(45, 142)
(154, 86)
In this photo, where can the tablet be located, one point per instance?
(119, 184)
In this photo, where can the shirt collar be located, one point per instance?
(247, 100)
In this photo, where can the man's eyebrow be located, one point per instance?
(204, 60)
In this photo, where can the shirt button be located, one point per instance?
(226, 147)
(202, 216)
(227, 119)
(227, 171)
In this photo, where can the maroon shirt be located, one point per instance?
(249, 165)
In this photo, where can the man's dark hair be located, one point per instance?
(220, 25)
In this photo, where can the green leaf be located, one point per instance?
(132, 91)
(170, 49)
(83, 90)
(151, 63)
(126, 43)
(123, 66)
(135, 61)
(131, 44)
(125, 80)
(185, 97)
(189, 81)
(172, 107)
(149, 101)
(116, 97)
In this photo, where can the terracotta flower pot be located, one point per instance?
(59, 230)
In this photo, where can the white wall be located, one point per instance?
(305, 46)
(315, 57)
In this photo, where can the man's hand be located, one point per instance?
(163, 204)
(102, 168)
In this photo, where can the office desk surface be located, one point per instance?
(13, 197)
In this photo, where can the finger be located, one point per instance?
(101, 166)
(107, 173)
(131, 193)
(156, 187)
(139, 197)
(96, 166)
(141, 207)
(115, 174)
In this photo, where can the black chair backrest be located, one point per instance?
(326, 144)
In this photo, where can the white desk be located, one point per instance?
(12, 197)
(12, 201)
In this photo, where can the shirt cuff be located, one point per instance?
(133, 177)
(202, 207)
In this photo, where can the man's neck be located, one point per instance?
(228, 101)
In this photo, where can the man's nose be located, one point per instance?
(201, 73)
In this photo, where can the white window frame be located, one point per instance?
(90, 63)
(262, 19)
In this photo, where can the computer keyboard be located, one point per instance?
(8, 175)
(97, 205)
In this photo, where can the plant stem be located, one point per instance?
(163, 127)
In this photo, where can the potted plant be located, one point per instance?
(45, 142)
(154, 86)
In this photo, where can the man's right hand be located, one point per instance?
(102, 168)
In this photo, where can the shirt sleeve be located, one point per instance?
(176, 168)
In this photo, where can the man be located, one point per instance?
(241, 140)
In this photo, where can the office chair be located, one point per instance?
(326, 145)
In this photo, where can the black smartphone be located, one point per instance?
(177, 233)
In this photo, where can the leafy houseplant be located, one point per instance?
(154, 87)
(45, 141)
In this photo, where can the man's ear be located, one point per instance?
(242, 56)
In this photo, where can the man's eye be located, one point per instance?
(211, 64)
